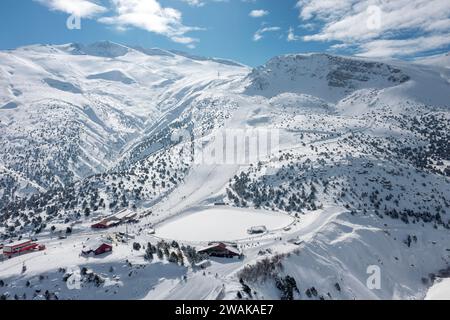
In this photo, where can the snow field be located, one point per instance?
(218, 224)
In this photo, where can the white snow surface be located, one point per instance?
(216, 224)
(440, 290)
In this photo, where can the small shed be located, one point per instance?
(97, 247)
(220, 249)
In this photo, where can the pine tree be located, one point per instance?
(173, 257)
(180, 257)
(160, 254)
(149, 253)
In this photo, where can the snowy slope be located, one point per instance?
(321, 75)
(78, 119)
(439, 291)
(438, 60)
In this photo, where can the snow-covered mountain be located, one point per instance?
(70, 111)
(442, 60)
(321, 75)
(360, 177)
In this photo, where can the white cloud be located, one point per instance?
(408, 47)
(307, 26)
(194, 3)
(404, 27)
(80, 8)
(260, 33)
(149, 15)
(291, 35)
(324, 9)
(258, 13)
(184, 40)
(200, 3)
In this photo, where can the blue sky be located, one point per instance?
(249, 31)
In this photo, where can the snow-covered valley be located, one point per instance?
(356, 184)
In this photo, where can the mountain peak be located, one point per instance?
(109, 49)
(321, 73)
(104, 48)
(202, 58)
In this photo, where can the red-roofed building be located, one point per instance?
(220, 249)
(106, 223)
(21, 247)
(97, 247)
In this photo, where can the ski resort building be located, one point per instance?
(115, 219)
(126, 215)
(106, 223)
(97, 247)
(22, 246)
(220, 250)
